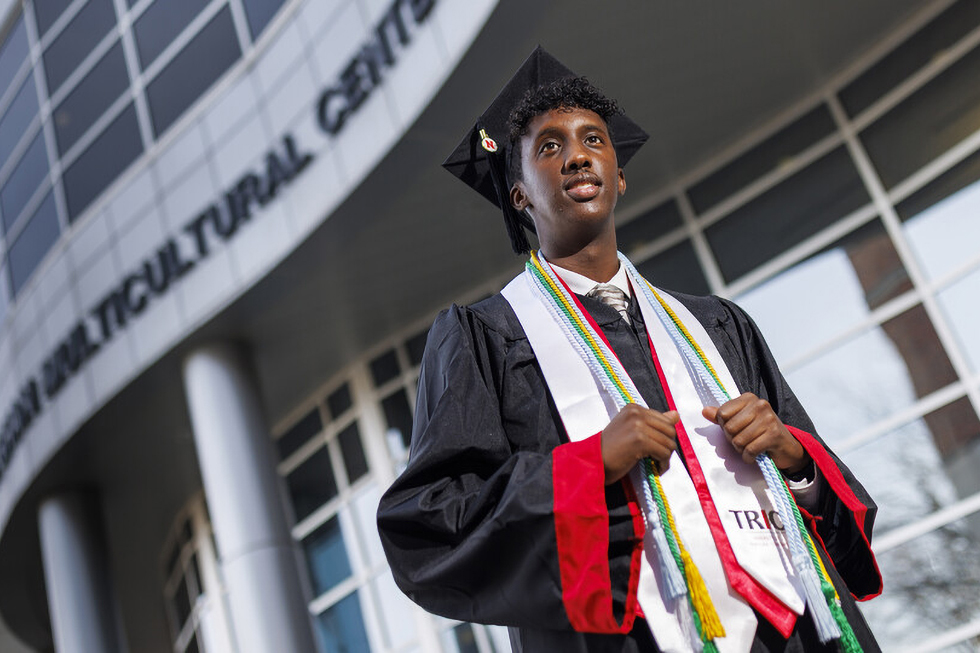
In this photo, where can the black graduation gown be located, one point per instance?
(469, 528)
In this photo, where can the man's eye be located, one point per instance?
(593, 139)
(550, 146)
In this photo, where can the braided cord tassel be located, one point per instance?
(679, 571)
(829, 618)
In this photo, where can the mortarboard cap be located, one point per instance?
(481, 158)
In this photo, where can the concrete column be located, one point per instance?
(268, 611)
(80, 597)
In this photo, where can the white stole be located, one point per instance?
(585, 409)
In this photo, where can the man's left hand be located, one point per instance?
(753, 428)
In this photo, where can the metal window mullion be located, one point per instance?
(917, 80)
(931, 522)
(709, 264)
(58, 26)
(192, 29)
(917, 410)
(373, 423)
(803, 249)
(770, 180)
(96, 130)
(84, 68)
(935, 168)
(127, 38)
(15, 82)
(32, 204)
(240, 21)
(893, 226)
(8, 166)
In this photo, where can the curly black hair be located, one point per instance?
(566, 93)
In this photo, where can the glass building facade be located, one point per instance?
(847, 228)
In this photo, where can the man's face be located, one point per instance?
(571, 178)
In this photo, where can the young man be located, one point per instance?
(594, 461)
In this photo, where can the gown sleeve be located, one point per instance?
(496, 519)
(844, 516)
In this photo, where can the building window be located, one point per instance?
(192, 588)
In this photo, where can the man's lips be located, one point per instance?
(583, 186)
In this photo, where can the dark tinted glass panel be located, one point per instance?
(259, 13)
(102, 162)
(186, 533)
(930, 121)
(182, 602)
(326, 556)
(797, 208)
(13, 53)
(24, 180)
(192, 646)
(762, 158)
(87, 28)
(312, 484)
(19, 115)
(465, 639)
(159, 25)
(913, 54)
(193, 70)
(339, 401)
(299, 434)
(416, 347)
(385, 367)
(956, 178)
(93, 95)
(33, 243)
(399, 416)
(648, 227)
(341, 627)
(676, 269)
(353, 451)
(47, 11)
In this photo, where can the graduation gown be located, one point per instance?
(469, 528)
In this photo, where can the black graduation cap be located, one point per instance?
(480, 160)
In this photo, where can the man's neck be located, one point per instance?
(598, 260)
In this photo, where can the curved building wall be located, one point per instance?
(224, 132)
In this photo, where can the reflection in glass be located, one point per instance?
(189, 74)
(24, 181)
(73, 44)
(828, 293)
(341, 627)
(676, 269)
(326, 556)
(959, 303)
(872, 376)
(21, 112)
(904, 474)
(945, 235)
(311, 484)
(932, 585)
(797, 208)
(90, 98)
(103, 161)
(33, 243)
(646, 228)
(159, 25)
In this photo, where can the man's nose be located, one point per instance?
(577, 158)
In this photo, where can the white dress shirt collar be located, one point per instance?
(581, 284)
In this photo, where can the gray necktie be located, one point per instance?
(610, 295)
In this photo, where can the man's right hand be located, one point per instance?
(635, 433)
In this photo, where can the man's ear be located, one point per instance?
(518, 198)
(622, 182)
